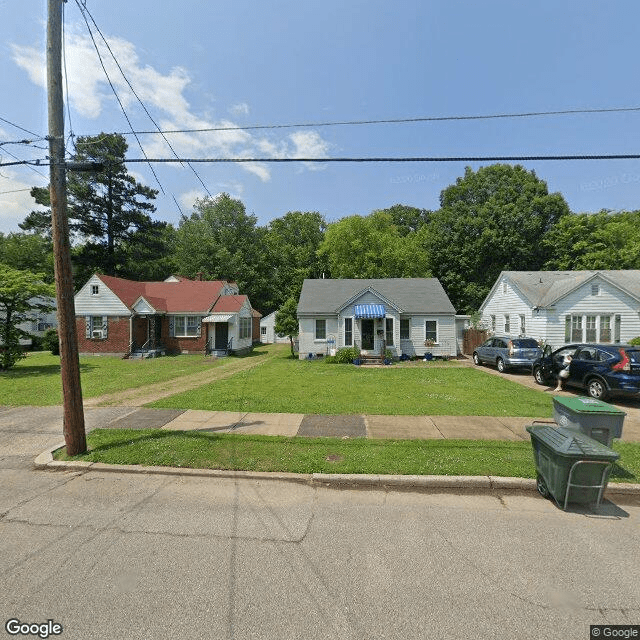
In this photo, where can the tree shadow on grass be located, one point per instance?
(132, 438)
(27, 371)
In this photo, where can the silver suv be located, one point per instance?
(505, 352)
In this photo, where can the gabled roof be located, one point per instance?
(545, 288)
(229, 304)
(410, 295)
(182, 296)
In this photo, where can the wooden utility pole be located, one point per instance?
(74, 431)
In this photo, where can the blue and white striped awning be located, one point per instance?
(369, 310)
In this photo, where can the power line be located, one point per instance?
(83, 9)
(613, 156)
(300, 125)
(620, 156)
(17, 126)
(140, 101)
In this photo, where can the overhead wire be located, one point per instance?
(66, 77)
(300, 125)
(17, 126)
(159, 130)
(83, 9)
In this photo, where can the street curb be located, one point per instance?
(485, 484)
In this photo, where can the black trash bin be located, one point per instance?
(570, 466)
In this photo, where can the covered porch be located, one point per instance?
(219, 341)
(146, 336)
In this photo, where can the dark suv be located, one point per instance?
(601, 369)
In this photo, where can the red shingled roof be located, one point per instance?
(186, 296)
(229, 304)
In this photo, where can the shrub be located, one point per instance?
(635, 341)
(346, 355)
(51, 342)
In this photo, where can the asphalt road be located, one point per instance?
(110, 555)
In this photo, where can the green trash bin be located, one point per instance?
(570, 466)
(597, 419)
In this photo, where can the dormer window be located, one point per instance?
(95, 289)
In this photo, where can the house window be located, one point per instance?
(186, 326)
(523, 329)
(388, 325)
(348, 332)
(605, 328)
(507, 325)
(504, 288)
(263, 331)
(405, 329)
(431, 331)
(95, 290)
(595, 289)
(592, 330)
(321, 329)
(244, 328)
(493, 323)
(576, 328)
(96, 327)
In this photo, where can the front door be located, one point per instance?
(367, 334)
(222, 335)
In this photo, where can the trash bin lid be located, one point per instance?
(589, 406)
(571, 444)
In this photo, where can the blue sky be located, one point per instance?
(202, 64)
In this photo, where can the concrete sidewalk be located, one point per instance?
(396, 427)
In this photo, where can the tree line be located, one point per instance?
(500, 217)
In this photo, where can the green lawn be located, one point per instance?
(192, 449)
(284, 385)
(36, 379)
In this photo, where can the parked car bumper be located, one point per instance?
(519, 363)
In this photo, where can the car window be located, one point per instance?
(487, 343)
(603, 356)
(587, 353)
(525, 343)
(561, 353)
(501, 344)
(634, 356)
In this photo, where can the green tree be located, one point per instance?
(491, 220)
(22, 296)
(109, 212)
(603, 240)
(286, 321)
(372, 247)
(407, 219)
(222, 241)
(293, 241)
(28, 252)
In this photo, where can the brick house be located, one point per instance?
(122, 317)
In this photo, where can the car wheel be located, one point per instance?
(538, 376)
(596, 389)
(476, 360)
(500, 364)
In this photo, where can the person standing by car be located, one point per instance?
(563, 374)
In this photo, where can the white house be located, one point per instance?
(410, 316)
(267, 330)
(559, 307)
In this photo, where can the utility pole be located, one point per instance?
(74, 431)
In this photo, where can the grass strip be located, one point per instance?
(201, 450)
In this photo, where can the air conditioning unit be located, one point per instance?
(97, 334)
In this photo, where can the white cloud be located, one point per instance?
(240, 109)
(164, 96)
(15, 200)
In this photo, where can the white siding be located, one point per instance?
(268, 322)
(307, 335)
(610, 301)
(511, 303)
(105, 303)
